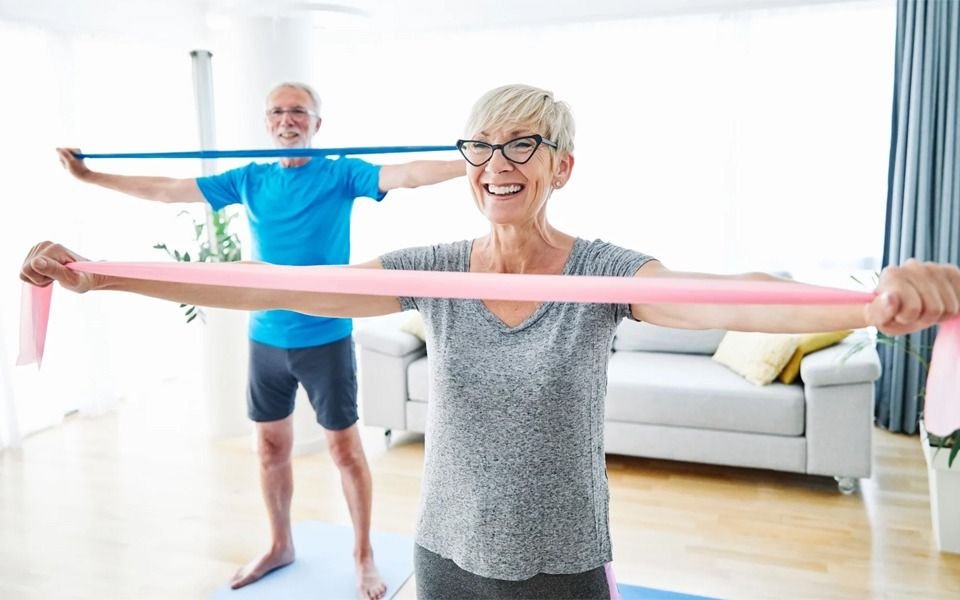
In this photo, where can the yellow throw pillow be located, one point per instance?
(414, 326)
(810, 342)
(758, 357)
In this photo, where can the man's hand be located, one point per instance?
(914, 296)
(44, 265)
(71, 163)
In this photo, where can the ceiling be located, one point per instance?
(189, 20)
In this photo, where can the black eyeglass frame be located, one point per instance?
(539, 139)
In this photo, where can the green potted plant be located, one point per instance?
(943, 469)
(224, 347)
(940, 454)
(943, 475)
(215, 243)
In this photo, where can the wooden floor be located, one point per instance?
(136, 504)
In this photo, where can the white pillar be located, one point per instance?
(253, 54)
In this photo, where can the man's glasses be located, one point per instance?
(518, 150)
(297, 114)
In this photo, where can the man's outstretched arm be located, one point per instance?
(158, 189)
(420, 172)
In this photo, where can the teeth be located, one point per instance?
(504, 189)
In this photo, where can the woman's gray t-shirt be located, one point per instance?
(514, 475)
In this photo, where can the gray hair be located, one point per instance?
(296, 85)
(524, 105)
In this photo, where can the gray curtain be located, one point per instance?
(923, 190)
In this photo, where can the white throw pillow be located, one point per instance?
(414, 326)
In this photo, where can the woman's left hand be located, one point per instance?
(914, 296)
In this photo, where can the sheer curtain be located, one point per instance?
(99, 94)
(10, 434)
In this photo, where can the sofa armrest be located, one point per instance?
(385, 354)
(842, 364)
(838, 391)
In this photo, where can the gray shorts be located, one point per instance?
(439, 578)
(327, 373)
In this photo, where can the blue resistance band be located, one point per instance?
(273, 152)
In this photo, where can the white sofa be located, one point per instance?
(667, 398)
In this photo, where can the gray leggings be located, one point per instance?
(439, 578)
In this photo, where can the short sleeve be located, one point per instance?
(362, 179)
(223, 189)
(609, 260)
(453, 257)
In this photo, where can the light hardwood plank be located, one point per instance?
(141, 504)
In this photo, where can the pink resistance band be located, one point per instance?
(942, 410)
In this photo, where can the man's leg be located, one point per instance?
(274, 447)
(270, 400)
(347, 453)
(328, 373)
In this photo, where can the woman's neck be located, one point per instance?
(533, 249)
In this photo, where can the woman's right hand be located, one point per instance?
(45, 264)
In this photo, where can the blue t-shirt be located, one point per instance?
(298, 216)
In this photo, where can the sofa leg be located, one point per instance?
(846, 485)
(387, 437)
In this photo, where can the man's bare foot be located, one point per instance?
(370, 586)
(258, 567)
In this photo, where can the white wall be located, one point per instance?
(717, 142)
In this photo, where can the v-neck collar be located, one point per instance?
(541, 309)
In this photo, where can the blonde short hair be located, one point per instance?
(524, 105)
(296, 85)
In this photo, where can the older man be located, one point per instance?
(299, 214)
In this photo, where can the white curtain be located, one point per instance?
(102, 95)
(9, 423)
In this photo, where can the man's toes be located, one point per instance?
(241, 579)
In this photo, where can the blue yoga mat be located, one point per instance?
(324, 566)
(636, 592)
(272, 152)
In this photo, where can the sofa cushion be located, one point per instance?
(645, 337)
(759, 357)
(686, 390)
(418, 378)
